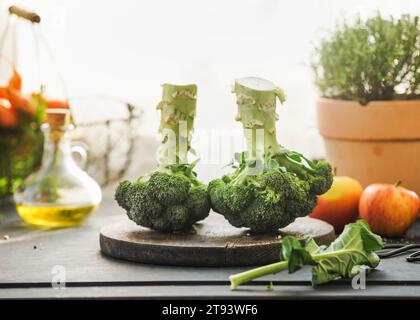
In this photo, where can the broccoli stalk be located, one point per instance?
(256, 100)
(271, 186)
(171, 198)
(177, 108)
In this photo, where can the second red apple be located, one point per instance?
(389, 209)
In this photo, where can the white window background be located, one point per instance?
(128, 48)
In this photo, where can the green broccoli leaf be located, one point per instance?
(288, 244)
(296, 255)
(343, 258)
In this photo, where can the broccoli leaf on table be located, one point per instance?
(344, 258)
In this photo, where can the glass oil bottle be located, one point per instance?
(60, 193)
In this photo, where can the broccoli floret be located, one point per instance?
(319, 175)
(285, 186)
(144, 207)
(263, 216)
(171, 198)
(169, 189)
(174, 218)
(230, 199)
(238, 197)
(321, 180)
(198, 202)
(216, 190)
(122, 194)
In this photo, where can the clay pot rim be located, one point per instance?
(349, 120)
(382, 103)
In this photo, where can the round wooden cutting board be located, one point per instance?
(215, 243)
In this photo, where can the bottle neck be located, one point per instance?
(57, 147)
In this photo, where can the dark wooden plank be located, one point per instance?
(77, 250)
(214, 243)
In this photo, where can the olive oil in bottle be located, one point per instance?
(54, 216)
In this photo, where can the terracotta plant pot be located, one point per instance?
(379, 142)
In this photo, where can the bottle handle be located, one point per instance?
(81, 150)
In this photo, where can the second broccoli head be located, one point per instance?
(269, 200)
(171, 198)
(271, 185)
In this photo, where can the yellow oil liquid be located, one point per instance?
(54, 216)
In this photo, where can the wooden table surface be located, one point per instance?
(29, 255)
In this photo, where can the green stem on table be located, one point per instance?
(243, 277)
(237, 279)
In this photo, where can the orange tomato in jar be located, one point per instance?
(8, 116)
(15, 81)
(57, 104)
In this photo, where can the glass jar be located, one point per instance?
(60, 193)
(29, 83)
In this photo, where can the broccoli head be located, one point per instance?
(271, 185)
(165, 201)
(171, 198)
(267, 201)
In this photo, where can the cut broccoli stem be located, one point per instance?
(178, 107)
(256, 100)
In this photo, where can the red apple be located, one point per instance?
(339, 205)
(389, 209)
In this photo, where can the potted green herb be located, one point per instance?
(368, 74)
